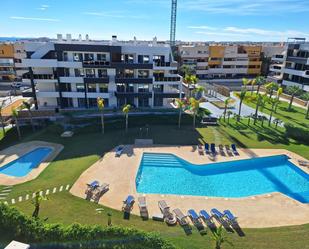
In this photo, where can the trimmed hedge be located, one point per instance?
(27, 229)
(297, 133)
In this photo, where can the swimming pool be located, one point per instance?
(26, 163)
(169, 174)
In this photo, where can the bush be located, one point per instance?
(24, 228)
(297, 133)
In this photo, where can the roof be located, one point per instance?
(17, 245)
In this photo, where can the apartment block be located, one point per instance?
(7, 71)
(296, 65)
(276, 68)
(222, 63)
(69, 73)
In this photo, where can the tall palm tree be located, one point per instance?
(229, 113)
(253, 83)
(195, 105)
(15, 117)
(242, 96)
(271, 87)
(180, 105)
(227, 103)
(1, 117)
(279, 92)
(260, 102)
(191, 80)
(36, 202)
(198, 91)
(293, 91)
(100, 104)
(126, 110)
(273, 102)
(305, 97)
(246, 82)
(27, 105)
(259, 81)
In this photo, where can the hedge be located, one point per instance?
(34, 231)
(297, 133)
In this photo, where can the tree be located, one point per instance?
(15, 117)
(305, 97)
(271, 87)
(195, 105)
(260, 102)
(259, 81)
(100, 104)
(274, 103)
(293, 91)
(180, 105)
(229, 113)
(36, 202)
(279, 92)
(27, 106)
(191, 80)
(253, 83)
(198, 91)
(242, 96)
(1, 117)
(186, 70)
(126, 110)
(246, 82)
(227, 103)
(219, 237)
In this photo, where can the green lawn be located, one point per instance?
(88, 145)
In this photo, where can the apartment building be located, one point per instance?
(276, 68)
(70, 73)
(296, 64)
(222, 63)
(7, 71)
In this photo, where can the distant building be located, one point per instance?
(7, 71)
(69, 73)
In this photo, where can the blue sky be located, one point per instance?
(198, 20)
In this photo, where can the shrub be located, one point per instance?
(24, 228)
(297, 133)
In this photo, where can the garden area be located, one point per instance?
(89, 144)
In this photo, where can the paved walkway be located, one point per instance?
(269, 210)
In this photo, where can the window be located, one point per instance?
(91, 88)
(103, 88)
(101, 57)
(90, 73)
(89, 57)
(127, 58)
(77, 56)
(158, 88)
(143, 59)
(126, 73)
(79, 72)
(80, 87)
(81, 102)
(121, 87)
(142, 88)
(66, 72)
(102, 73)
(92, 103)
(143, 74)
(65, 56)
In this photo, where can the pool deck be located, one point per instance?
(14, 152)
(269, 210)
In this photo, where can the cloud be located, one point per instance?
(43, 7)
(243, 7)
(34, 19)
(248, 33)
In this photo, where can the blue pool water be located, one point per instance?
(169, 174)
(23, 165)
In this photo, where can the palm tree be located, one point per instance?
(195, 105)
(186, 70)
(253, 83)
(271, 87)
(36, 202)
(305, 97)
(260, 102)
(198, 91)
(191, 80)
(274, 103)
(242, 96)
(219, 237)
(293, 91)
(180, 105)
(100, 104)
(259, 81)
(27, 106)
(246, 82)
(15, 116)
(227, 103)
(1, 117)
(126, 110)
(279, 92)
(229, 113)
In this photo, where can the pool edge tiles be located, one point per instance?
(274, 167)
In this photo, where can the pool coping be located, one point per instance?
(121, 173)
(14, 152)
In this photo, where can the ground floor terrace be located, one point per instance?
(266, 210)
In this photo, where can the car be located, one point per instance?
(16, 85)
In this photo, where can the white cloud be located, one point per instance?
(43, 7)
(34, 18)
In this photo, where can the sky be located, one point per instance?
(197, 20)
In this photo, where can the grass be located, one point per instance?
(88, 145)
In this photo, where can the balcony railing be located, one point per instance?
(165, 64)
(96, 63)
(40, 76)
(121, 79)
(167, 79)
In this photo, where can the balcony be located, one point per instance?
(167, 79)
(96, 64)
(295, 72)
(162, 65)
(121, 79)
(299, 60)
(38, 63)
(169, 95)
(123, 65)
(28, 93)
(96, 79)
(133, 94)
(5, 72)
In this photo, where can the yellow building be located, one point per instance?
(7, 71)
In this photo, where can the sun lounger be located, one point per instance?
(200, 149)
(207, 148)
(168, 216)
(195, 218)
(91, 187)
(230, 217)
(234, 150)
(303, 163)
(119, 150)
(216, 213)
(182, 219)
(128, 203)
(99, 191)
(143, 206)
(221, 149)
(228, 150)
(213, 149)
(204, 215)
